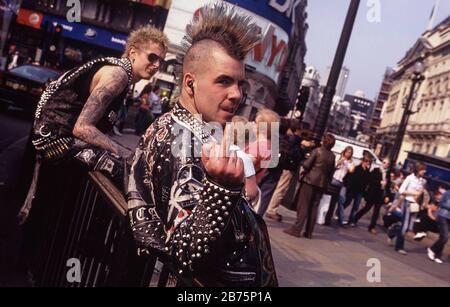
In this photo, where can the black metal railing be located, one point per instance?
(79, 222)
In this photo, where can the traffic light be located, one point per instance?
(56, 37)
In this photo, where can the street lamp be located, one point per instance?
(416, 77)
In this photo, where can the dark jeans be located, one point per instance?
(336, 198)
(400, 233)
(307, 207)
(438, 246)
(356, 198)
(267, 186)
(375, 214)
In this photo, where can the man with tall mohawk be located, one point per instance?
(185, 193)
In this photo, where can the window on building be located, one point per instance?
(382, 96)
(90, 9)
(104, 11)
(442, 106)
(434, 150)
(143, 15)
(122, 16)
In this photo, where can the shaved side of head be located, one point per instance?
(200, 56)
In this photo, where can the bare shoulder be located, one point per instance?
(113, 77)
(112, 72)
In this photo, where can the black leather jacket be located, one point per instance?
(176, 211)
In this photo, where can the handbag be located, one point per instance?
(291, 196)
(414, 207)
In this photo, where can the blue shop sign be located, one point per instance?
(88, 33)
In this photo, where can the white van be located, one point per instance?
(359, 149)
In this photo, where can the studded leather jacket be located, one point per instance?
(177, 212)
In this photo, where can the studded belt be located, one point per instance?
(49, 145)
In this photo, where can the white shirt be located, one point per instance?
(412, 184)
(342, 170)
(249, 169)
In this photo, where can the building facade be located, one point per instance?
(428, 128)
(342, 80)
(311, 79)
(290, 79)
(43, 33)
(381, 99)
(361, 112)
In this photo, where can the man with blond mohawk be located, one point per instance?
(185, 193)
(76, 111)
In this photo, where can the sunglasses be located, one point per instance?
(153, 57)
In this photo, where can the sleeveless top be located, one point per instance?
(61, 103)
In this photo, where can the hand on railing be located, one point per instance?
(148, 232)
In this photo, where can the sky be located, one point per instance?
(373, 45)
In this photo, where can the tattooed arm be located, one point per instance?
(109, 82)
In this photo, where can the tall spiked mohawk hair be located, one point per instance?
(223, 24)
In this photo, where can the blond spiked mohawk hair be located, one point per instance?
(219, 22)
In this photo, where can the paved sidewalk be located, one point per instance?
(338, 257)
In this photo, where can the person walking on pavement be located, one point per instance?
(300, 143)
(318, 169)
(343, 166)
(443, 219)
(374, 198)
(410, 190)
(375, 195)
(358, 181)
